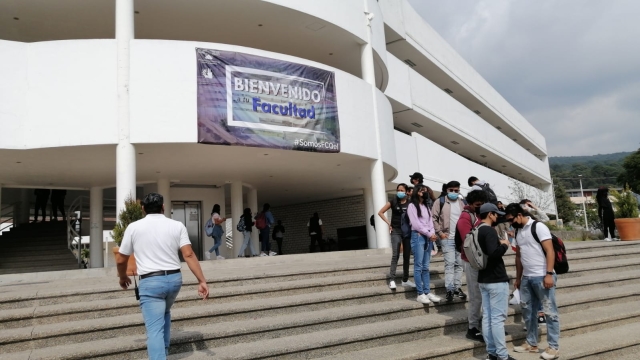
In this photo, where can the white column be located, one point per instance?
(252, 201)
(236, 213)
(125, 151)
(372, 241)
(164, 189)
(95, 233)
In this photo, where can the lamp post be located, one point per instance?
(584, 206)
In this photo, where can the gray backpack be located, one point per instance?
(477, 258)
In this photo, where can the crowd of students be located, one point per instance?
(428, 226)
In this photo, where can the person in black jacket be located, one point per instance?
(278, 235)
(57, 203)
(315, 232)
(494, 283)
(605, 213)
(42, 198)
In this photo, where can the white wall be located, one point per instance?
(385, 121)
(399, 88)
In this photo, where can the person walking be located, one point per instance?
(398, 207)
(156, 241)
(605, 213)
(264, 220)
(536, 280)
(446, 212)
(278, 235)
(469, 219)
(217, 221)
(42, 199)
(246, 222)
(493, 282)
(423, 237)
(316, 230)
(57, 203)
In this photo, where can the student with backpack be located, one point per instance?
(423, 237)
(468, 220)
(398, 207)
(477, 184)
(214, 229)
(264, 220)
(245, 225)
(446, 212)
(536, 253)
(493, 281)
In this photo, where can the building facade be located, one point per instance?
(242, 102)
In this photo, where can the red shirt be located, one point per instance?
(464, 226)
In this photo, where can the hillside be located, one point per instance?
(600, 158)
(596, 170)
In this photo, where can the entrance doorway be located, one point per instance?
(188, 213)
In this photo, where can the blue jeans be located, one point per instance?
(532, 295)
(452, 265)
(421, 247)
(265, 244)
(495, 305)
(217, 239)
(157, 294)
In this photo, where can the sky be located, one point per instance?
(571, 67)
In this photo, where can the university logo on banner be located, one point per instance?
(250, 100)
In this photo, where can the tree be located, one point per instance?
(541, 199)
(566, 209)
(631, 174)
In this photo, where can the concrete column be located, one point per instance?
(372, 241)
(125, 151)
(22, 216)
(164, 189)
(236, 213)
(252, 201)
(96, 218)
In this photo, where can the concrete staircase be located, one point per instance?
(331, 306)
(36, 247)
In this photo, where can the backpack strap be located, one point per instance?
(534, 233)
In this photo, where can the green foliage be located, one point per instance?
(631, 172)
(85, 253)
(597, 170)
(626, 204)
(566, 209)
(592, 218)
(132, 212)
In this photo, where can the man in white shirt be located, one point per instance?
(156, 241)
(536, 280)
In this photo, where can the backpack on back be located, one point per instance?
(208, 228)
(241, 226)
(561, 263)
(491, 196)
(477, 258)
(261, 221)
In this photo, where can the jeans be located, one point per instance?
(495, 304)
(474, 297)
(532, 294)
(245, 243)
(279, 242)
(157, 294)
(264, 240)
(396, 241)
(217, 240)
(421, 247)
(452, 265)
(316, 238)
(55, 206)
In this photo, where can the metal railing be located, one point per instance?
(7, 216)
(78, 208)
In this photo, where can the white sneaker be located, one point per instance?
(392, 285)
(423, 299)
(607, 239)
(272, 253)
(433, 298)
(207, 255)
(263, 254)
(219, 257)
(408, 283)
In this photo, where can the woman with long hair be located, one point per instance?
(605, 213)
(423, 237)
(248, 227)
(217, 221)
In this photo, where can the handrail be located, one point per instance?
(7, 219)
(74, 225)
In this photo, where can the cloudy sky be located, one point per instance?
(571, 67)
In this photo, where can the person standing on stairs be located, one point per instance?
(57, 203)
(156, 240)
(536, 280)
(469, 219)
(245, 225)
(42, 199)
(315, 232)
(264, 220)
(605, 213)
(217, 221)
(423, 239)
(398, 208)
(278, 235)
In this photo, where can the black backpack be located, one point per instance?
(561, 263)
(491, 196)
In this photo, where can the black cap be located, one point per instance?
(417, 175)
(489, 207)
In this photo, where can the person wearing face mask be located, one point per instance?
(446, 213)
(398, 207)
(469, 219)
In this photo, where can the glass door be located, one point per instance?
(188, 213)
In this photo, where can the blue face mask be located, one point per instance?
(452, 196)
(401, 195)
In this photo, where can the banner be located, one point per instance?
(250, 100)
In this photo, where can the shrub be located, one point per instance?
(132, 212)
(626, 204)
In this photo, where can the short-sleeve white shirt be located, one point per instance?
(156, 241)
(309, 223)
(534, 262)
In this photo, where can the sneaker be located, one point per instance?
(263, 255)
(273, 253)
(491, 357)
(241, 256)
(459, 293)
(550, 353)
(475, 335)
(542, 320)
(392, 285)
(219, 257)
(423, 299)
(408, 284)
(449, 296)
(607, 239)
(433, 298)
(526, 348)
(207, 255)
(510, 358)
